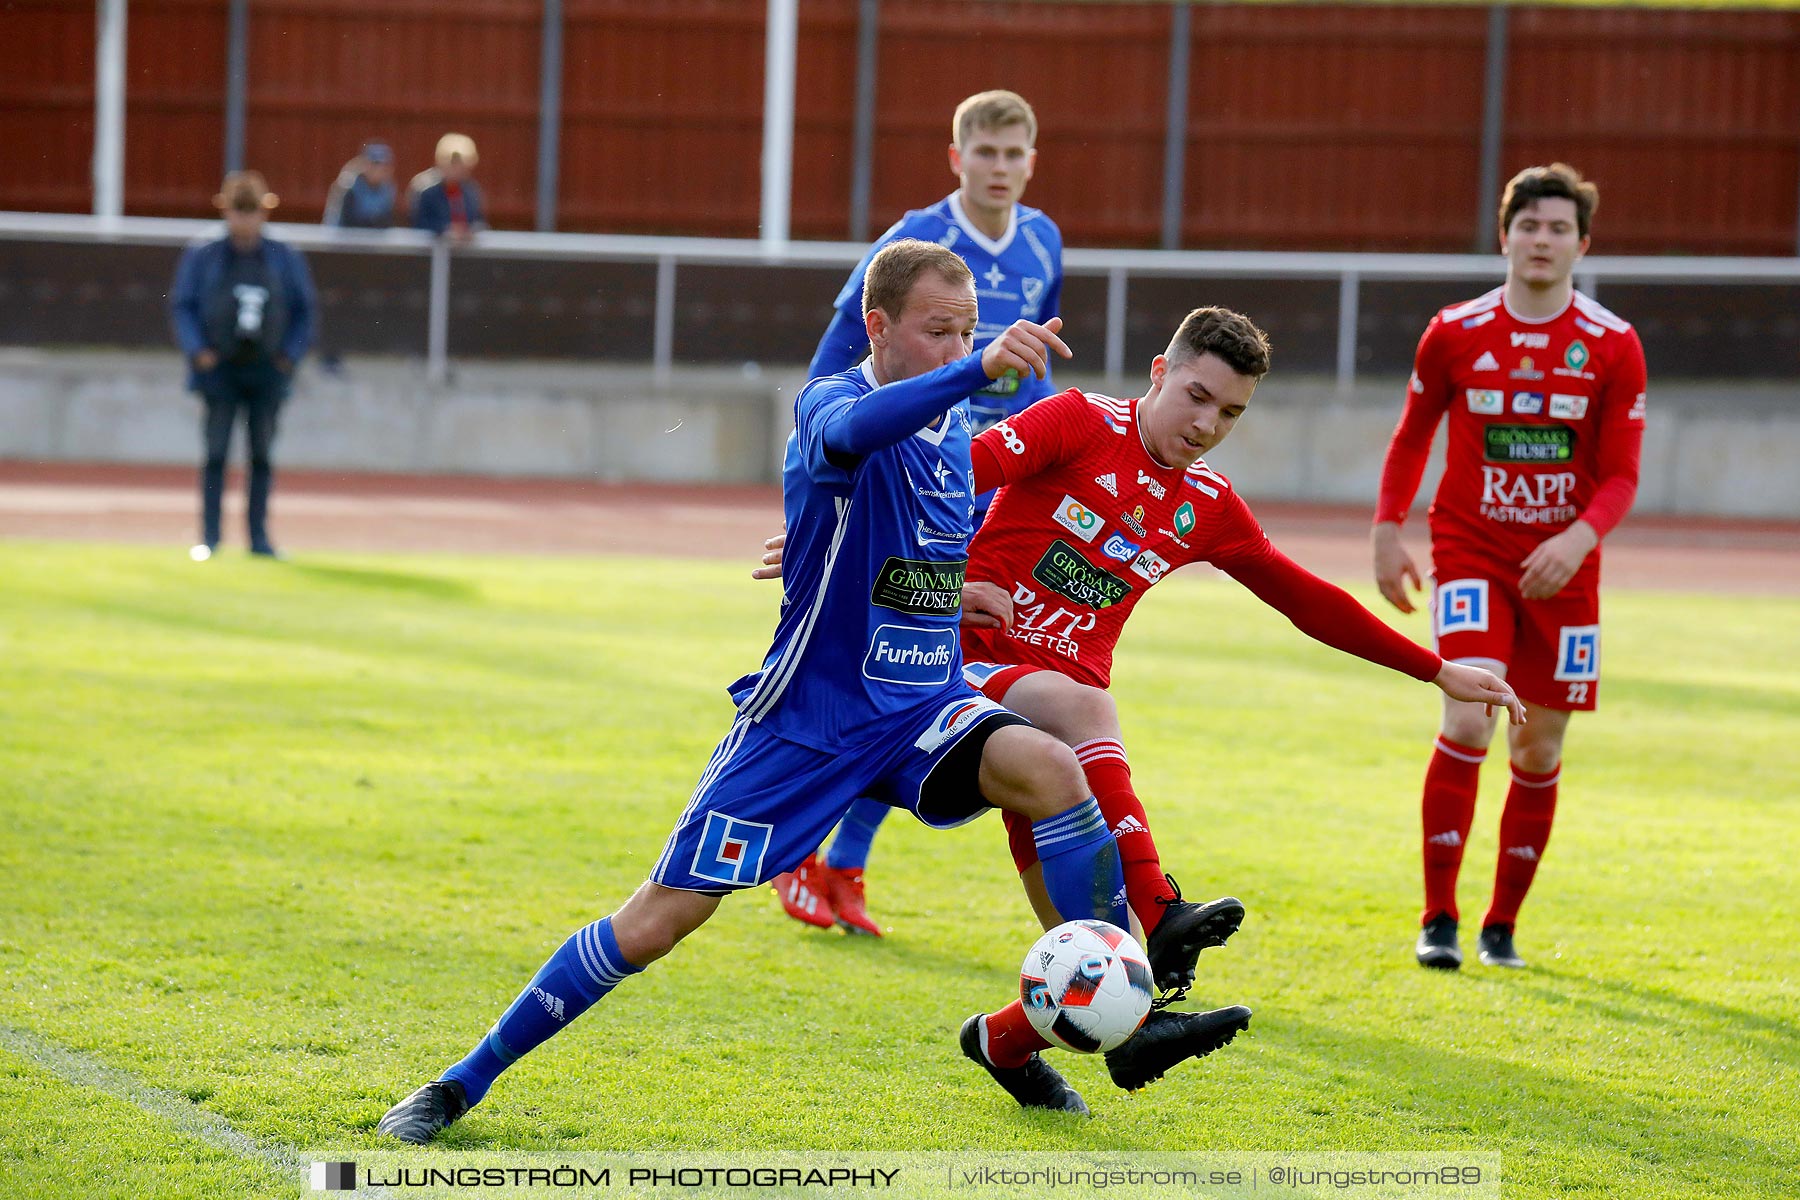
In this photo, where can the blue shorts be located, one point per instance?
(765, 803)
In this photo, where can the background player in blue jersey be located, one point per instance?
(861, 692)
(1015, 254)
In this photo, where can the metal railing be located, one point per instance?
(1117, 267)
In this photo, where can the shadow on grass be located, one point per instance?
(387, 581)
(1547, 1122)
(1637, 1004)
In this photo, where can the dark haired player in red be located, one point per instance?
(1544, 391)
(1100, 499)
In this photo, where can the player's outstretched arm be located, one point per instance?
(1394, 567)
(1474, 685)
(1025, 348)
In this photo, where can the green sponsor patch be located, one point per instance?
(1576, 356)
(920, 586)
(1064, 571)
(1530, 443)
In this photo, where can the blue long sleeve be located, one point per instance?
(184, 303)
(897, 410)
(302, 305)
(846, 340)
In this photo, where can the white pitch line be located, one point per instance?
(84, 1070)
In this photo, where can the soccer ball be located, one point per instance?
(1086, 986)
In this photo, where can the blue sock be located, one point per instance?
(855, 834)
(582, 970)
(1081, 864)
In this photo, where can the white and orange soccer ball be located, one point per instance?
(1086, 986)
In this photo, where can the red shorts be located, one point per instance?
(994, 680)
(1551, 648)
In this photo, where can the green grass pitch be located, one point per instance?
(282, 839)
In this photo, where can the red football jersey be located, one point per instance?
(1546, 422)
(1086, 523)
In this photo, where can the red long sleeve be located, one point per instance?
(1327, 613)
(1427, 399)
(988, 475)
(1622, 412)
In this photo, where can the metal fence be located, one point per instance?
(1758, 334)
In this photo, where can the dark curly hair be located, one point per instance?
(1556, 181)
(1230, 335)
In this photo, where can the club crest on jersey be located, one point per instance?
(1490, 402)
(1528, 404)
(1462, 606)
(1078, 519)
(1568, 408)
(1185, 519)
(1487, 362)
(1578, 653)
(1033, 287)
(1150, 566)
(1576, 356)
(1116, 547)
(1154, 487)
(731, 850)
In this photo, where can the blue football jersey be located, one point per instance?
(1018, 276)
(872, 576)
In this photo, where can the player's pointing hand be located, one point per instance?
(1025, 349)
(1477, 686)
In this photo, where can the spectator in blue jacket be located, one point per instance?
(445, 199)
(242, 307)
(363, 195)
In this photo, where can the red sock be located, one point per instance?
(1447, 811)
(1008, 1039)
(1524, 834)
(1020, 840)
(1109, 778)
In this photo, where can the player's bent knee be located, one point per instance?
(1092, 713)
(656, 919)
(1026, 771)
(1468, 724)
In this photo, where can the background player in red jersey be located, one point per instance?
(1100, 499)
(1544, 390)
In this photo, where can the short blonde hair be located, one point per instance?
(992, 110)
(456, 145)
(894, 272)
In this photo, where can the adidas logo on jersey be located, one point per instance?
(1523, 852)
(1487, 362)
(1129, 824)
(552, 1004)
(1109, 481)
(1448, 838)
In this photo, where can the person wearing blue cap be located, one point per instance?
(363, 195)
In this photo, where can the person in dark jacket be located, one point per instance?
(445, 199)
(242, 308)
(363, 195)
